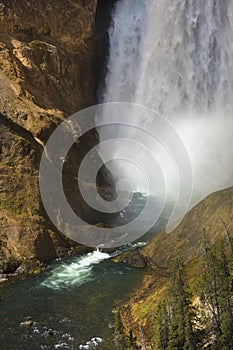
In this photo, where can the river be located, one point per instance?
(69, 305)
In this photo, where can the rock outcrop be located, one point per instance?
(50, 63)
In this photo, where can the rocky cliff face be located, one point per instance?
(50, 61)
(214, 217)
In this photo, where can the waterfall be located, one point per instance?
(175, 57)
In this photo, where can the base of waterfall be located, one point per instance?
(79, 270)
(74, 273)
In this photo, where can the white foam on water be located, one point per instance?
(92, 344)
(75, 273)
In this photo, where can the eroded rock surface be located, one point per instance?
(50, 62)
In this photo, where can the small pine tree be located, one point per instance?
(131, 341)
(216, 292)
(162, 325)
(181, 334)
(119, 338)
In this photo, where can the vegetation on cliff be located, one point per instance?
(203, 240)
(198, 314)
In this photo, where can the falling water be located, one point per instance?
(175, 57)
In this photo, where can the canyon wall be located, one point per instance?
(51, 57)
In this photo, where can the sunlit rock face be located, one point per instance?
(50, 63)
(47, 59)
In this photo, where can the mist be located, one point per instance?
(176, 59)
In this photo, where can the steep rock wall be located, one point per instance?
(50, 63)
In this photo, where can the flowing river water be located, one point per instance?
(70, 306)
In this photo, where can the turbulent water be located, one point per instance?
(175, 57)
(76, 273)
(81, 270)
(70, 306)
